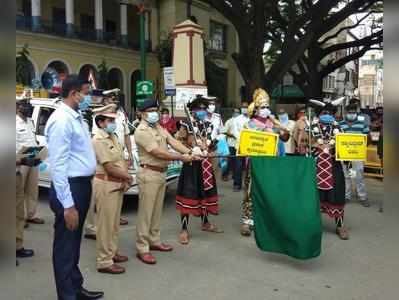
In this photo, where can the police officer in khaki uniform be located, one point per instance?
(110, 183)
(152, 144)
(26, 137)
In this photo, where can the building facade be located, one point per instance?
(70, 36)
(371, 75)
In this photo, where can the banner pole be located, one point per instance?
(310, 130)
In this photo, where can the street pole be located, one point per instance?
(142, 42)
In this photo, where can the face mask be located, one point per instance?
(152, 117)
(85, 103)
(211, 108)
(200, 114)
(236, 114)
(165, 118)
(351, 117)
(283, 118)
(244, 110)
(327, 119)
(111, 127)
(264, 113)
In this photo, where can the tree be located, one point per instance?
(23, 66)
(291, 26)
(103, 75)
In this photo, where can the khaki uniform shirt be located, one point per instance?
(148, 138)
(108, 150)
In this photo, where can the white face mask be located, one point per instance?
(211, 108)
(264, 113)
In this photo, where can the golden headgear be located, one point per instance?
(260, 97)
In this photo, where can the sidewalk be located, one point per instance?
(228, 266)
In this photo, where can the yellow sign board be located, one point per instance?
(351, 146)
(257, 143)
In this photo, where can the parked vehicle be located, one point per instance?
(42, 110)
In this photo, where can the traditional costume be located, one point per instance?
(330, 175)
(197, 191)
(260, 120)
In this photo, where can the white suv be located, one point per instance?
(43, 108)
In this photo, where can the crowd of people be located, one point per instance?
(90, 172)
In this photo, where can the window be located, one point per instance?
(44, 115)
(218, 36)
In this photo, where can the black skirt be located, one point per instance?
(191, 197)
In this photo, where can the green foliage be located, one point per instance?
(164, 51)
(23, 67)
(103, 75)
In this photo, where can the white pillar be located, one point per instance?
(99, 19)
(70, 16)
(124, 26)
(36, 14)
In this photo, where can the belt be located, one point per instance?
(78, 179)
(154, 168)
(108, 178)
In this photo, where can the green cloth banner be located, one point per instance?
(286, 207)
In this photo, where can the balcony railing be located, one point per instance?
(86, 34)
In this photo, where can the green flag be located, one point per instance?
(286, 207)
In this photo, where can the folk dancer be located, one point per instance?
(261, 119)
(330, 176)
(197, 191)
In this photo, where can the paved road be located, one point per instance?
(228, 266)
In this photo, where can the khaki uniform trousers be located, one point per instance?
(108, 207)
(20, 212)
(152, 186)
(91, 219)
(30, 189)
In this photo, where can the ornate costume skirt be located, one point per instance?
(331, 185)
(191, 197)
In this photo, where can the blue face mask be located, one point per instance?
(351, 117)
(327, 119)
(152, 117)
(111, 127)
(283, 118)
(85, 103)
(201, 114)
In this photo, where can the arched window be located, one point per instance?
(136, 76)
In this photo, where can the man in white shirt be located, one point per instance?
(26, 137)
(289, 125)
(231, 141)
(238, 162)
(217, 122)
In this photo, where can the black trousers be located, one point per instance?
(66, 246)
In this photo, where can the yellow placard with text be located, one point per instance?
(351, 146)
(257, 143)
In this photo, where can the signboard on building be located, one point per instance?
(185, 95)
(144, 88)
(169, 81)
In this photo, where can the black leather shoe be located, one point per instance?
(22, 253)
(87, 295)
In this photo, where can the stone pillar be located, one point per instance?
(36, 15)
(70, 17)
(124, 25)
(188, 54)
(188, 63)
(99, 20)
